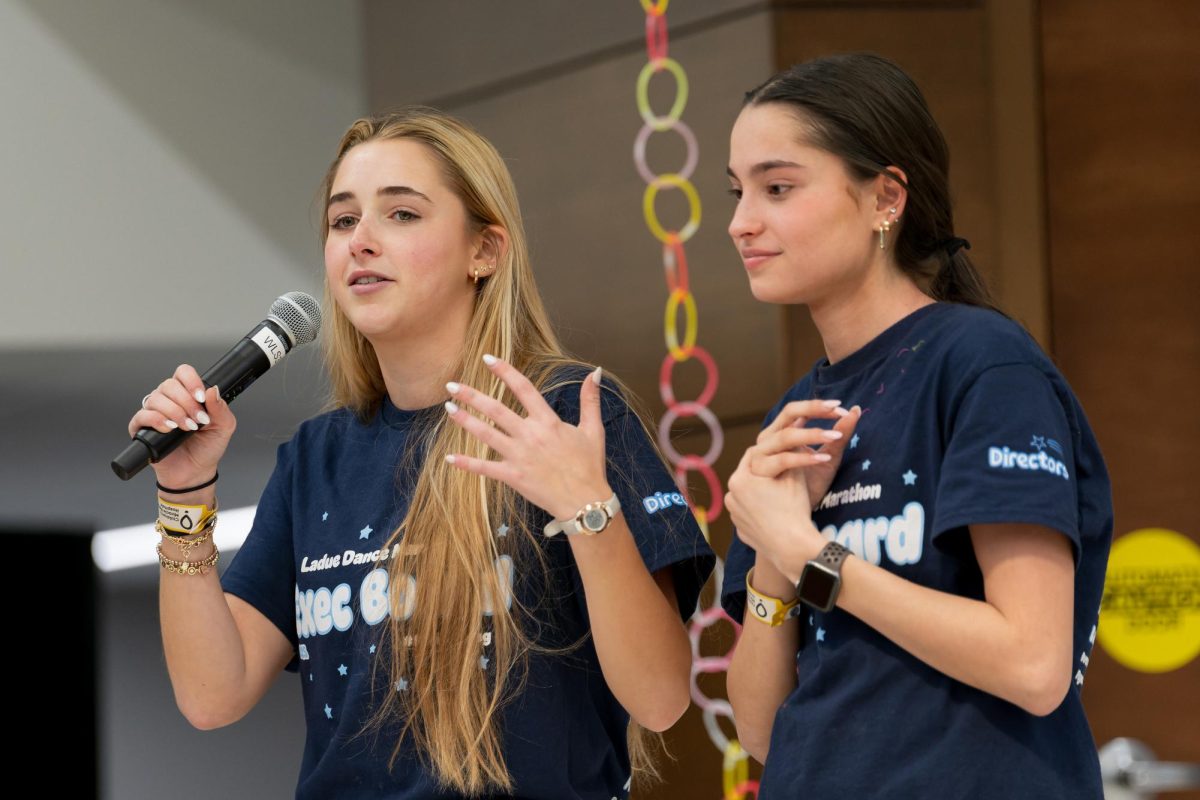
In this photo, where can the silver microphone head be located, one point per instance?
(299, 314)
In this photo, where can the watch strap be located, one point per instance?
(574, 525)
(832, 555)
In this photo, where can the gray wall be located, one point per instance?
(160, 158)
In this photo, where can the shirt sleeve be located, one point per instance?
(658, 516)
(1008, 456)
(263, 571)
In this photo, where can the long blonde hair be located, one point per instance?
(447, 540)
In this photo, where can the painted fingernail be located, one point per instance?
(172, 424)
(451, 407)
(450, 459)
(191, 425)
(841, 412)
(452, 387)
(489, 359)
(831, 403)
(202, 418)
(831, 435)
(822, 457)
(597, 375)
(199, 395)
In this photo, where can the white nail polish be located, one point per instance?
(831, 403)
(832, 435)
(172, 424)
(191, 424)
(199, 395)
(451, 407)
(841, 412)
(450, 459)
(489, 359)
(822, 457)
(202, 418)
(597, 375)
(452, 387)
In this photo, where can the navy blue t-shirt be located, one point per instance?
(313, 565)
(965, 421)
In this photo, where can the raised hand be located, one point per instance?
(554, 465)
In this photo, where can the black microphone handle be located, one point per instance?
(236, 370)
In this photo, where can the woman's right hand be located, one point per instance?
(173, 405)
(787, 443)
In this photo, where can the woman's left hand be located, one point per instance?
(554, 465)
(773, 515)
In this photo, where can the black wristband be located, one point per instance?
(190, 489)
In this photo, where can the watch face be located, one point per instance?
(818, 586)
(595, 520)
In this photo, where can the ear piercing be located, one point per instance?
(884, 227)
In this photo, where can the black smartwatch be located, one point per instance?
(822, 578)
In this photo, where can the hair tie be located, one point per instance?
(953, 245)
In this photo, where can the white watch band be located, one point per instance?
(591, 519)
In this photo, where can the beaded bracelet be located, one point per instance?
(186, 567)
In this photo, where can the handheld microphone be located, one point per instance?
(293, 320)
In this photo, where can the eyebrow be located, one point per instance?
(386, 191)
(765, 166)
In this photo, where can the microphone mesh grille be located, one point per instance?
(300, 314)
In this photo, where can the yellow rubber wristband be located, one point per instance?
(766, 609)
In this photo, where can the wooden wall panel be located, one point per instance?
(1122, 128)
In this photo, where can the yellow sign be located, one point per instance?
(1150, 615)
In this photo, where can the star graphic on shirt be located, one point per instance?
(401, 685)
(328, 712)
(810, 620)
(483, 662)
(502, 531)
(1083, 658)
(325, 516)
(365, 532)
(342, 670)
(820, 634)
(910, 478)
(1079, 677)
(866, 465)
(1039, 442)
(372, 651)
(1092, 637)
(854, 441)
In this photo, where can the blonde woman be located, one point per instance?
(399, 560)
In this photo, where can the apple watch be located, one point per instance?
(822, 578)
(591, 519)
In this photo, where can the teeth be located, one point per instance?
(367, 279)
